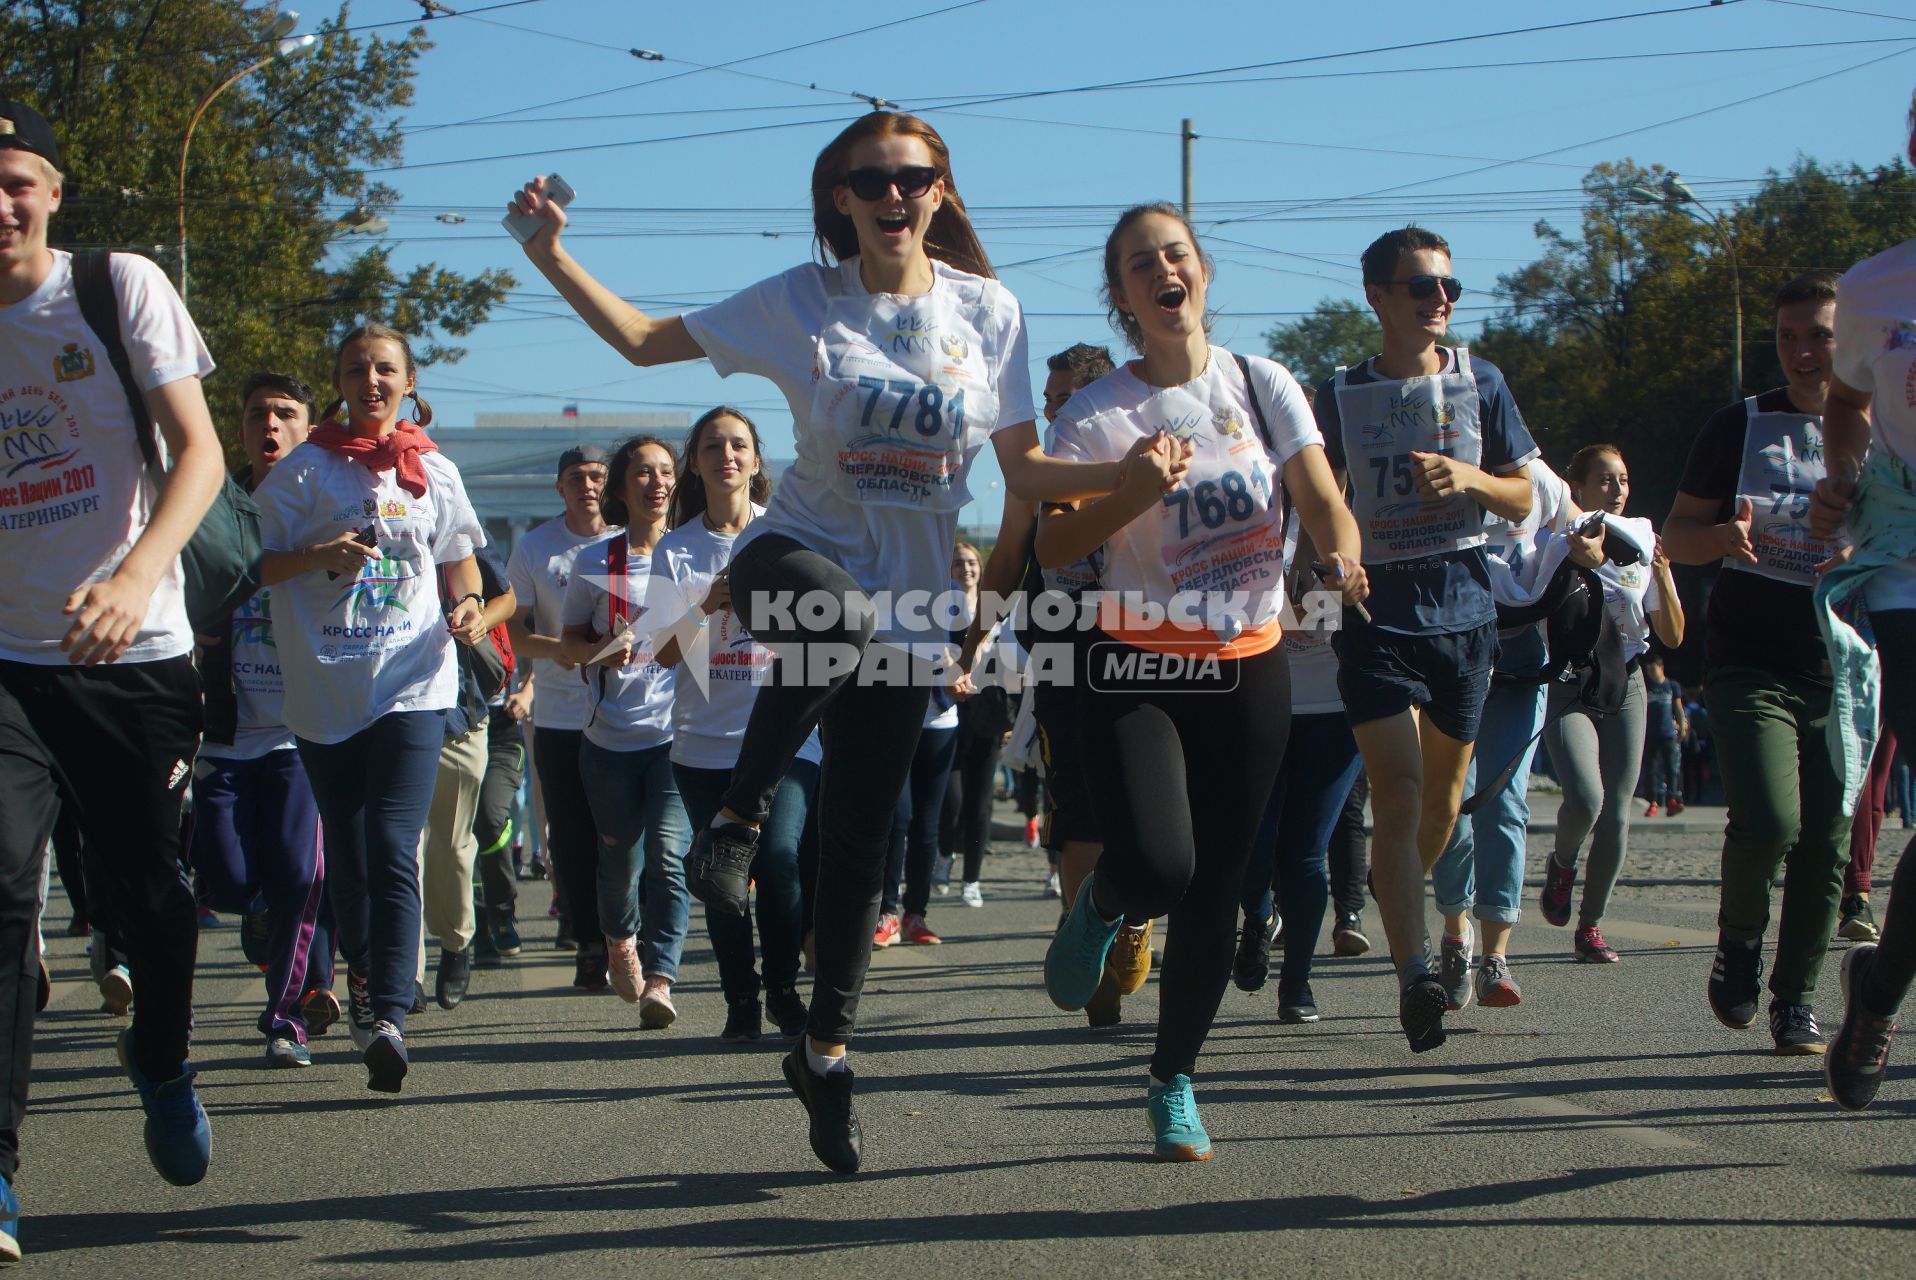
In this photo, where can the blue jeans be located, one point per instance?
(1482, 867)
(781, 913)
(1320, 765)
(373, 791)
(643, 834)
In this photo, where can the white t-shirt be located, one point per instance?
(891, 398)
(75, 492)
(1876, 352)
(1630, 594)
(354, 651)
(709, 723)
(259, 686)
(629, 707)
(540, 568)
(1220, 533)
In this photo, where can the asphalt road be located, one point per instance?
(1607, 1126)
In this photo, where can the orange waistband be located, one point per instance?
(1198, 642)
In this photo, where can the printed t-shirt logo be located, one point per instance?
(378, 586)
(393, 510)
(253, 622)
(73, 363)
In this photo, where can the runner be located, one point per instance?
(908, 305)
(1481, 870)
(1071, 813)
(1597, 758)
(540, 568)
(1433, 443)
(449, 850)
(1744, 503)
(494, 829)
(1664, 728)
(98, 697)
(637, 873)
(722, 489)
(256, 842)
(1184, 714)
(1869, 412)
(357, 522)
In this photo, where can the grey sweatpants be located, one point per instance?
(1597, 759)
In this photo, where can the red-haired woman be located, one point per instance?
(899, 355)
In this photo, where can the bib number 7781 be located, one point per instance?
(928, 418)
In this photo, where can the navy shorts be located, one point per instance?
(1382, 673)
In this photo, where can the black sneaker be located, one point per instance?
(484, 954)
(787, 1011)
(718, 870)
(1858, 1057)
(1859, 922)
(1296, 1005)
(742, 1025)
(836, 1137)
(1105, 1008)
(455, 976)
(359, 1011)
(588, 971)
(1735, 979)
(1794, 1029)
(256, 938)
(1347, 935)
(504, 930)
(1420, 1011)
(1252, 964)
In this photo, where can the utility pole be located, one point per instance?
(1187, 138)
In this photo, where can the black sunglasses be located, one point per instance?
(1422, 287)
(871, 183)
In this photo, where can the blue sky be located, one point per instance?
(1297, 167)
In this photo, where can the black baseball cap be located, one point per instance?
(580, 454)
(24, 129)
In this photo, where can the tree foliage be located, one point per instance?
(271, 283)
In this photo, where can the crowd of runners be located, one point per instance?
(1234, 613)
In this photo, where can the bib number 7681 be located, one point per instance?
(929, 417)
(1213, 502)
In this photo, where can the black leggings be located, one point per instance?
(1182, 767)
(915, 823)
(869, 728)
(967, 822)
(1889, 978)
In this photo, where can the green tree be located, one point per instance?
(271, 286)
(1336, 332)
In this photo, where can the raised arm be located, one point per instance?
(643, 340)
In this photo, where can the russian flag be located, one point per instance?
(570, 411)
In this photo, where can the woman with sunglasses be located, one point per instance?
(625, 760)
(1432, 442)
(1597, 757)
(723, 489)
(899, 356)
(1187, 702)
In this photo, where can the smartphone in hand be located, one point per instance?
(524, 226)
(367, 537)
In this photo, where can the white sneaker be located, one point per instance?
(1052, 889)
(973, 894)
(941, 875)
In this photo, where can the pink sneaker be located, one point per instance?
(622, 966)
(656, 1010)
(918, 933)
(887, 931)
(1591, 948)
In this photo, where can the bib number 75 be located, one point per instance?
(928, 418)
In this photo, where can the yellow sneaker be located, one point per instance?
(1129, 960)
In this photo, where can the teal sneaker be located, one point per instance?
(1174, 1119)
(179, 1138)
(9, 1224)
(1074, 963)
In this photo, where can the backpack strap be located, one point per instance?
(1257, 406)
(100, 308)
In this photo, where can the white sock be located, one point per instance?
(821, 1064)
(1152, 1082)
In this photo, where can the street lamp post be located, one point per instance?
(1673, 194)
(285, 45)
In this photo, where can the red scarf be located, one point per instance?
(400, 451)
